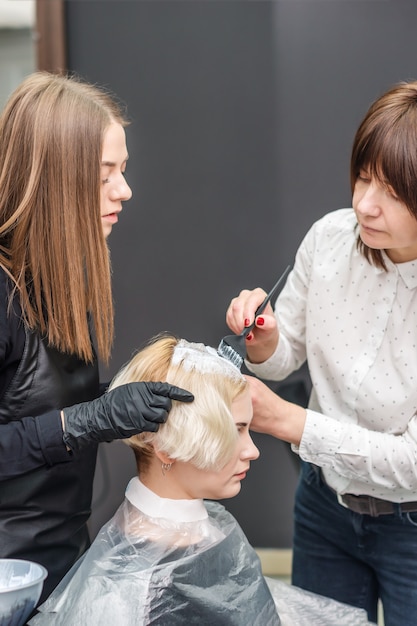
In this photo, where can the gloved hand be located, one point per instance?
(122, 412)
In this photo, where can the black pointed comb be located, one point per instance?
(233, 347)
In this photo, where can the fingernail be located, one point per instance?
(260, 321)
(249, 337)
(247, 321)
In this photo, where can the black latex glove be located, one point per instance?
(122, 412)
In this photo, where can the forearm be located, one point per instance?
(385, 460)
(290, 422)
(275, 416)
(30, 443)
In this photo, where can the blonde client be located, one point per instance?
(171, 554)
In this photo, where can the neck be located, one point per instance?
(164, 483)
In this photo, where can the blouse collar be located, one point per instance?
(154, 506)
(407, 271)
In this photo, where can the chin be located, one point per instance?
(370, 241)
(230, 493)
(106, 231)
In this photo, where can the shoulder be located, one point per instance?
(4, 318)
(4, 281)
(215, 509)
(341, 221)
(334, 231)
(220, 515)
(6, 288)
(11, 327)
(329, 245)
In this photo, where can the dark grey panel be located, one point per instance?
(243, 114)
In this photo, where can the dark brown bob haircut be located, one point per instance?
(385, 145)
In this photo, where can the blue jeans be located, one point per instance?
(353, 558)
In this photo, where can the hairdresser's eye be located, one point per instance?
(364, 176)
(392, 193)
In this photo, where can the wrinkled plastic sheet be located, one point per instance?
(142, 571)
(297, 607)
(139, 571)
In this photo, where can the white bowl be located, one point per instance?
(21, 585)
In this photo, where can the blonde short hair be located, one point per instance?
(202, 432)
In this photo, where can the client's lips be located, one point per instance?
(242, 474)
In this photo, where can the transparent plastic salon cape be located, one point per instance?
(171, 562)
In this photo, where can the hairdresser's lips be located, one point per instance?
(112, 218)
(371, 231)
(242, 475)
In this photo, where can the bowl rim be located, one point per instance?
(36, 581)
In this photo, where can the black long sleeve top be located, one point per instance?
(27, 443)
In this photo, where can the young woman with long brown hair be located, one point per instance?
(62, 161)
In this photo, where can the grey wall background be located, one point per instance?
(17, 45)
(243, 114)
(16, 58)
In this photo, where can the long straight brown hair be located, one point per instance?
(51, 238)
(385, 145)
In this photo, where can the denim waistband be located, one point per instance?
(368, 505)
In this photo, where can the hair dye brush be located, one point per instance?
(233, 347)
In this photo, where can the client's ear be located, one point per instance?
(163, 457)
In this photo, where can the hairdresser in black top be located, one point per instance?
(62, 161)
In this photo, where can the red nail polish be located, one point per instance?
(260, 321)
(249, 337)
(247, 321)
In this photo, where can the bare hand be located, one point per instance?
(263, 339)
(273, 415)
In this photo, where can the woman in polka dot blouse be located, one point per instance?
(349, 308)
